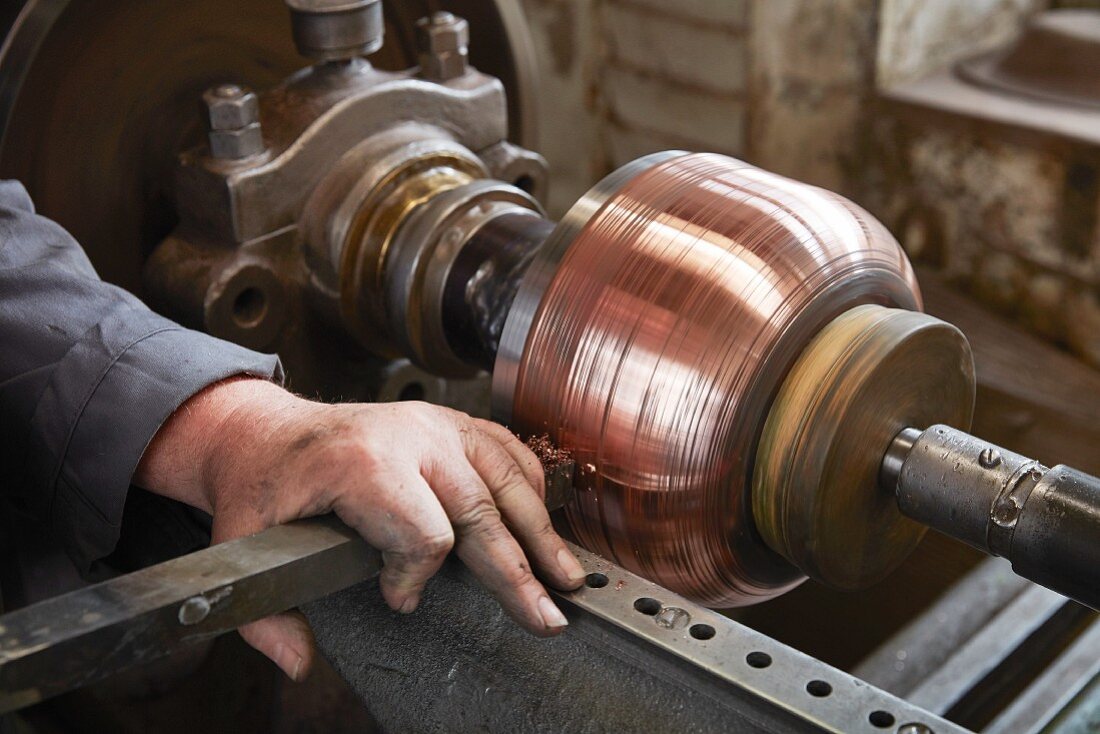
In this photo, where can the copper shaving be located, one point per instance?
(550, 455)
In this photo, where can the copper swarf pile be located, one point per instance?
(549, 454)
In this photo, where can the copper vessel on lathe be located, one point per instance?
(669, 306)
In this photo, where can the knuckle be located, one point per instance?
(469, 433)
(417, 411)
(517, 575)
(420, 415)
(544, 529)
(484, 447)
(476, 514)
(430, 410)
(513, 496)
(524, 451)
(395, 570)
(440, 412)
(495, 430)
(426, 548)
(494, 533)
(436, 545)
(506, 473)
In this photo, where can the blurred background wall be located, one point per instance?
(857, 96)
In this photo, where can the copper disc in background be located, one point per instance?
(869, 374)
(650, 338)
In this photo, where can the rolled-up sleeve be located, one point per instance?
(88, 375)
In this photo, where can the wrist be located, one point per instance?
(204, 437)
(249, 416)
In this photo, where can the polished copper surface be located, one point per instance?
(659, 342)
(817, 499)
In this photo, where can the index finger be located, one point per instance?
(523, 510)
(487, 547)
(519, 451)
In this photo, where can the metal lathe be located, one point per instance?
(738, 363)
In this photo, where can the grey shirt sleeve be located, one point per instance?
(87, 376)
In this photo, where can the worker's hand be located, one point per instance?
(415, 480)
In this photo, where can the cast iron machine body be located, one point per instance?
(331, 207)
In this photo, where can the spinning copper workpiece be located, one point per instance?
(816, 494)
(650, 337)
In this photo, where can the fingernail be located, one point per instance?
(409, 604)
(570, 566)
(551, 615)
(289, 661)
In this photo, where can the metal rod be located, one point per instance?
(1045, 521)
(635, 658)
(77, 638)
(74, 639)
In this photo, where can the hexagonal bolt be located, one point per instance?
(233, 114)
(235, 144)
(230, 107)
(442, 39)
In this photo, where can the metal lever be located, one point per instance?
(1045, 521)
(75, 639)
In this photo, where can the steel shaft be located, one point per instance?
(1046, 522)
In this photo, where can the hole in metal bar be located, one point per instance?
(881, 719)
(595, 580)
(758, 659)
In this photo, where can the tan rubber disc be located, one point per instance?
(870, 373)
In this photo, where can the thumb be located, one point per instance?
(286, 638)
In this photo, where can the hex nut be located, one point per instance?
(443, 67)
(235, 144)
(442, 39)
(442, 32)
(231, 107)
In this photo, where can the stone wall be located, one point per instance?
(627, 77)
(797, 86)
